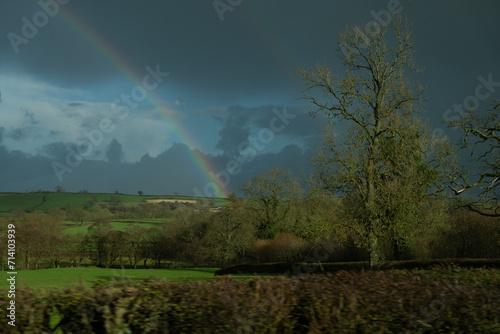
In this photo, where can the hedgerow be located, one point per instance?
(344, 302)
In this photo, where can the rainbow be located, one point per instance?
(96, 41)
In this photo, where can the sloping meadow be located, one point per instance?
(449, 300)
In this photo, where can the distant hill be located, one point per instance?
(44, 201)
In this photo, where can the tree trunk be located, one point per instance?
(372, 192)
(28, 260)
(375, 258)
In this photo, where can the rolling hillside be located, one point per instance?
(45, 201)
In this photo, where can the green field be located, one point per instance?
(66, 277)
(9, 202)
(118, 225)
(35, 201)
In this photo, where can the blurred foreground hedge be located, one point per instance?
(450, 300)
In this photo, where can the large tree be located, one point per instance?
(377, 154)
(481, 136)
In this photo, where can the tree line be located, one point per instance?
(277, 221)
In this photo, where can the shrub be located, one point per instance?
(284, 247)
(468, 235)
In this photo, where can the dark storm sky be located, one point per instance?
(233, 67)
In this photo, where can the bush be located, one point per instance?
(346, 251)
(284, 247)
(468, 235)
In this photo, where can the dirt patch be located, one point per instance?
(170, 200)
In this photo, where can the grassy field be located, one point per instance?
(67, 277)
(62, 278)
(119, 225)
(35, 201)
(9, 202)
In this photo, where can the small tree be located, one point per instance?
(162, 245)
(58, 213)
(77, 215)
(270, 196)
(136, 239)
(59, 189)
(116, 200)
(38, 239)
(230, 236)
(75, 249)
(104, 245)
(140, 192)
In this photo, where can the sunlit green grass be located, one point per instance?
(9, 202)
(142, 220)
(67, 277)
(121, 225)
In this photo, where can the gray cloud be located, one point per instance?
(300, 124)
(29, 118)
(56, 150)
(234, 132)
(19, 170)
(171, 171)
(239, 122)
(27, 129)
(114, 152)
(19, 134)
(291, 157)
